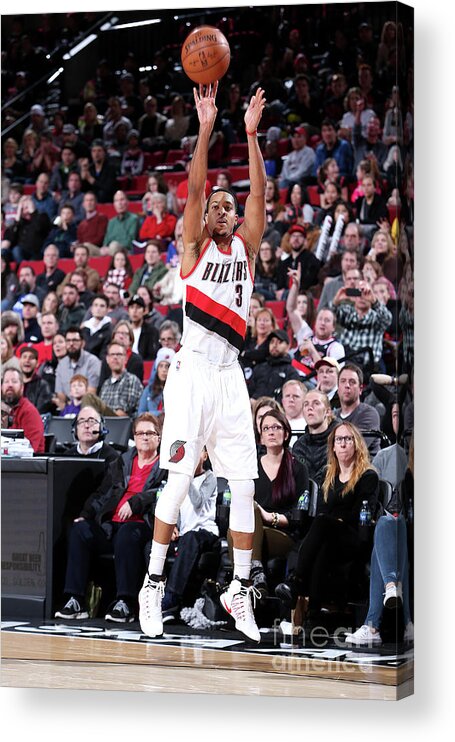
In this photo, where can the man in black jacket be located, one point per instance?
(311, 447)
(117, 520)
(268, 377)
(300, 255)
(37, 391)
(97, 331)
(146, 336)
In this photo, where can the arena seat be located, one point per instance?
(173, 155)
(313, 195)
(100, 263)
(278, 308)
(107, 209)
(67, 265)
(148, 365)
(153, 159)
(238, 151)
(283, 147)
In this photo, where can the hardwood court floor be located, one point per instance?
(101, 656)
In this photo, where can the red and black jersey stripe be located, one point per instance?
(215, 317)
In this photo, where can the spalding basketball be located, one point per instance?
(205, 55)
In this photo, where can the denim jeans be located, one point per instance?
(389, 563)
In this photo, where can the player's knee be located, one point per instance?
(242, 511)
(168, 506)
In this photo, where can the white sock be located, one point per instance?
(242, 563)
(157, 558)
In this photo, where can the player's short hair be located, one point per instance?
(216, 189)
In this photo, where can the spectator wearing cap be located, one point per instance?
(71, 136)
(121, 229)
(122, 391)
(152, 399)
(328, 370)
(30, 310)
(153, 269)
(332, 146)
(133, 157)
(268, 377)
(98, 175)
(299, 163)
(38, 120)
(92, 228)
(18, 412)
(61, 171)
(146, 337)
(364, 416)
(36, 390)
(300, 256)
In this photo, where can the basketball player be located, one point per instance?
(205, 396)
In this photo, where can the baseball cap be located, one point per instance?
(280, 334)
(300, 130)
(69, 129)
(29, 349)
(37, 109)
(296, 228)
(31, 299)
(136, 299)
(327, 361)
(164, 355)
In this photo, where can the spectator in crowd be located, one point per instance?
(76, 361)
(300, 255)
(327, 372)
(30, 311)
(122, 391)
(100, 175)
(331, 146)
(79, 279)
(152, 316)
(333, 536)
(292, 398)
(297, 210)
(10, 283)
(13, 328)
(97, 331)
(334, 96)
(311, 446)
(90, 432)
(266, 273)
(133, 157)
(384, 251)
(29, 147)
(153, 269)
(157, 184)
(46, 155)
(351, 105)
(169, 335)
(371, 209)
(151, 125)
(13, 166)
(299, 163)
(352, 410)
(27, 285)
(37, 390)
(73, 196)
(78, 390)
(63, 235)
(303, 103)
(256, 351)
(117, 310)
(71, 136)
(120, 270)
(177, 123)
(49, 328)
(350, 262)
(61, 171)
(18, 412)
(117, 519)
(81, 255)
(268, 377)
(272, 86)
(145, 334)
(123, 334)
(121, 229)
(363, 323)
(114, 116)
(52, 276)
(43, 198)
(92, 228)
(90, 125)
(25, 237)
(282, 480)
(48, 368)
(152, 399)
(8, 359)
(71, 311)
(370, 145)
(160, 224)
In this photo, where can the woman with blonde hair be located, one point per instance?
(384, 251)
(333, 536)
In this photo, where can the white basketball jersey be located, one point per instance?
(217, 300)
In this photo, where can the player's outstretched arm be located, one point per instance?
(254, 223)
(193, 214)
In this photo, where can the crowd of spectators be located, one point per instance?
(92, 202)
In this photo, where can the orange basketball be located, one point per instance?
(205, 55)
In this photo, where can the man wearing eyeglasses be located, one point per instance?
(89, 432)
(122, 391)
(116, 519)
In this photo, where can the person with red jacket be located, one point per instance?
(18, 412)
(160, 223)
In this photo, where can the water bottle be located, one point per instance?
(227, 497)
(410, 512)
(160, 491)
(365, 514)
(304, 501)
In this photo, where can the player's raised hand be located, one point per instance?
(205, 103)
(254, 111)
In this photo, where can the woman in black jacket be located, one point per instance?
(117, 520)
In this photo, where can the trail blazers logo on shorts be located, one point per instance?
(177, 451)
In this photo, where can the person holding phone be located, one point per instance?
(362, 320)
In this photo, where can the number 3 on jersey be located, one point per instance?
(239, 292)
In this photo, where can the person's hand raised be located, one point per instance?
(205, 103)
(254, 111)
